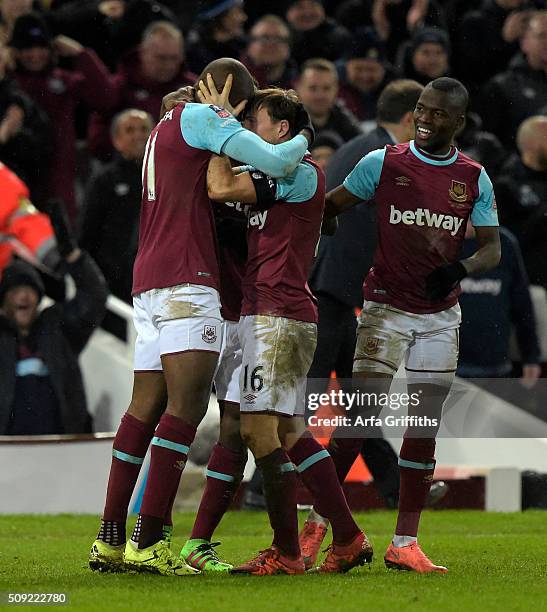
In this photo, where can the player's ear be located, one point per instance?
(283, 128)
(460, 123)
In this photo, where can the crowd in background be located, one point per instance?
(81, 84)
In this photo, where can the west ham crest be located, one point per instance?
(209, 334)
(458, 191)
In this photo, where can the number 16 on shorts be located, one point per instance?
(252, 382)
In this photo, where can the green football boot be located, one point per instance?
(106, 558)
(156, 559)
(201, 555)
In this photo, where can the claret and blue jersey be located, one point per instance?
(423, 204)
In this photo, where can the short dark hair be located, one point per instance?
(453, 88)
(280, 104)
(243, 86)
(397, 98)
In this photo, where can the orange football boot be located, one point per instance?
(341, 559)
(269, 562)
(310, 539)
(411, 558)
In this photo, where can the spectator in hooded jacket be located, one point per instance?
(427, 56)
(58, 91)
(520, 91)
(145, 76)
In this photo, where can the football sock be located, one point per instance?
(128, 452)
(318, 473)
(344, 452)
(416, 467)
(170, 447)
(403, 540)
(280, 492)
(224, 473)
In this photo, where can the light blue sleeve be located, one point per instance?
(299, 186)
(208, 127)
(484, 208)
(363, 180)
(275, 160)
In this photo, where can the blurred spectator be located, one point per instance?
(365, 73)
(268, 54)
(10, 10)
(427, 56)
(147, 74)
(23, 230)
(521, 192)
(481, 146)
(486, 39)
(58, 91)
(42, 387)
(397, 20)
(313, 33)
(111, 27)
(317, 87)
(492, 303)
(110, 223)
(324, 147)
(219, 33)
(25, 131)
(520, 91)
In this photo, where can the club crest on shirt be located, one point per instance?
(458, 191)
(221, 112)
(209, 334)
(372, 345)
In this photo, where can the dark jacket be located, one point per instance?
(344, 259)
(363, 104)
(60, 334)
(286, 81)
(491, 304)
(341, 121)
(511, 97)
(110, 227)
(521, 194)
(28, 152)
(328, 40)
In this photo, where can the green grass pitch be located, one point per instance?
(496, 562)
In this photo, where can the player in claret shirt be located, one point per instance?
(176, 311)
(277, 331)
(425, 191)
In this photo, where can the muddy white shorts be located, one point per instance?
(428, 343)
(277, 355)
(175, 320)
(229, 364)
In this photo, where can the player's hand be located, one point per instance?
(12, 123)
(443, 279)
(183, 94)
(208, 94)
(303, 124)
(7, 60)
(66, 243)
(329, 225)
(67, 47)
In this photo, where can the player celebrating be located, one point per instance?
(177, 312)
(277, 331)
(425, 191)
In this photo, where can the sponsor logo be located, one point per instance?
(209, 334)
(257, 218)
(221, 112)
(458, 191)
(402, 181)
(372, 345)
(423, 216)
(249, 398)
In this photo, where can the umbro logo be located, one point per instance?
(249, 398)
(403, 181)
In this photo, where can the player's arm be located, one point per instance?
(360, 184)
(223, 185)
(211, 128)
(484, 218)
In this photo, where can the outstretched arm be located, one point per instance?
(225, 186)
(338, 200)
(488, 254)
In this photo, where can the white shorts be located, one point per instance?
(277, 355)
(428, 343)
(174, 320)
(229, 364)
